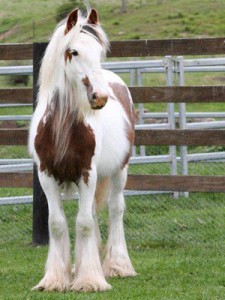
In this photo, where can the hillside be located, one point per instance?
(28, 21)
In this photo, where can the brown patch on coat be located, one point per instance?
(96, 101)
(68, 55)
(76, 161)
(102, 192)
(121, 93)
(88, 86)
(86, 82)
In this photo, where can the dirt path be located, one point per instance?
(8, 33)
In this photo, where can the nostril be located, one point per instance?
(94, 96)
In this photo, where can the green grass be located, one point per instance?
(164, 273)
(12, 192)
(25, 110)
(35, 20)
(176, 245)
(200, 168)
(12, 152)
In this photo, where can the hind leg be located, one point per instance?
(57, 270)
(101, 196)
(96, 229)
(117, 261)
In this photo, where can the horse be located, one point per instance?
(80, 137)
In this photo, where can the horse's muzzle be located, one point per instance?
(98, 101)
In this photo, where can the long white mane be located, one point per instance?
(55, 90)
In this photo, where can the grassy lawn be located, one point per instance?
(35, 20)
(164, 273)
(177, 248)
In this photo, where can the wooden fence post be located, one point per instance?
(40, 206)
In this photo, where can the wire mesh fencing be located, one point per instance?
(151, 220)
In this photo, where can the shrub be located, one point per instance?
(14, 80)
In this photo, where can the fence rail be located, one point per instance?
(201, 46)
(139, 182)
(16, 95)
(176, 183)
(164, 94)
(172, 183)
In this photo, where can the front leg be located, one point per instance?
(88, 272)
(57, 270)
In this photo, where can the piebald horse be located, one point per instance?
(81, 136)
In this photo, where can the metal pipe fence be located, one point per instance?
(183, 66)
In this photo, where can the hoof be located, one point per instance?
(47, 284)
(90, 286)
(118, 269)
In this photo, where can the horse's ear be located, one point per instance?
(93, 17)
(71, 20)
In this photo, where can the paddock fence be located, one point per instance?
(172, 136)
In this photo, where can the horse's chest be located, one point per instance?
(75, 159)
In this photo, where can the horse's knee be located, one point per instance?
(118, 180)
(57, 227)
(116, 205)
(84, 225)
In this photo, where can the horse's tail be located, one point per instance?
(102, 192)
(69, 189)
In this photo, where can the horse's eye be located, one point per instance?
(74, 53)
